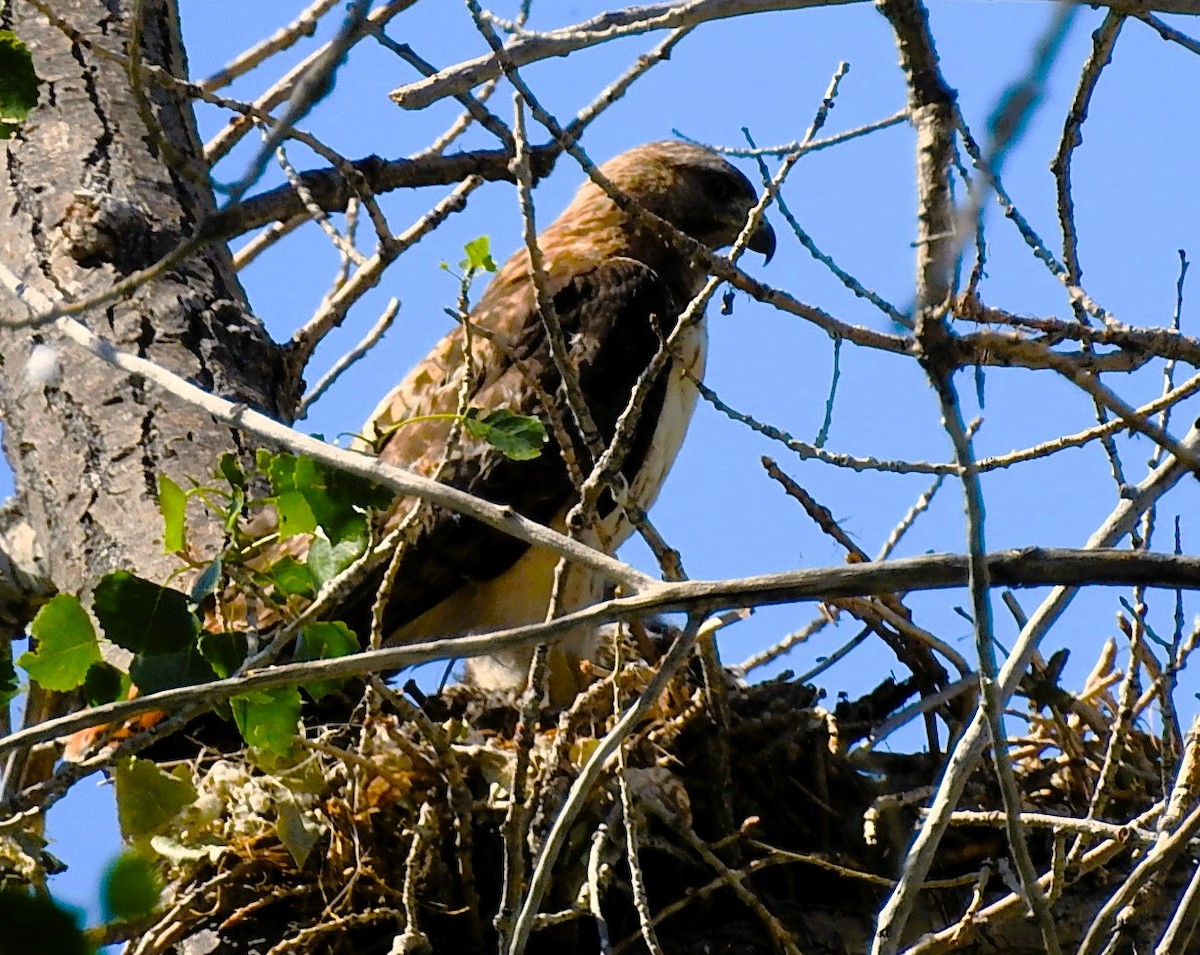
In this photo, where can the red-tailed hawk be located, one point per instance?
(617, 288)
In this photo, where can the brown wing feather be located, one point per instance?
(613, 317)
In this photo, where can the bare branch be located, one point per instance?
(973, 741)
(1032, 567)
(632, 21)
(333, 312)
(376, 332)
(305, 25)
(285, 88)
(331, 191)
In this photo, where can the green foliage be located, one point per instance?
(309, 495)
(516, 436)
(36, 923)
(312, 499)
(130, 889)
(267, 720)
(142, 616)
(172, 502)
(224, 652)
(153, 672)
(325, 641)
(149, 798)
(326, 560)
(105, 683)
(479, 256)
(478, 259)
(208, 582)
(18, 83)
(163, 628)
(291, 502)
(66, 645)
(229, 468)
(519, 437)
(292, 578)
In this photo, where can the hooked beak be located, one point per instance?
(763, 240)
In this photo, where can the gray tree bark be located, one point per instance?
(102, 181)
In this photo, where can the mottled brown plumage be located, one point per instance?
(617, 289)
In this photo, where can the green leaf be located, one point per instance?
(308, 495)
(66, 645)
(224, 652)
(295, 514)
(479, 255)
(292, 578)
(18, 83)
(130, 889)
(338, 499)
(148, 798)
(293, 481)
(105, 683)
(172, 502)
(516, 436)
(267, 719)
(280, 470)
(234, 509)
(230, 469)
(35, 923)
(326, 561)
(142, 616)
(175, 851)
(167, 671)
(207, 583)
(325, 641)
(347, 527)
(298, 831)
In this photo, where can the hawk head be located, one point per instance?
(692, 187)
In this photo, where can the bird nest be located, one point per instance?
(416, 828)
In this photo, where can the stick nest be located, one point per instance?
(393, 831)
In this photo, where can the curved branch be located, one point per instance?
(1030, 567)
(631, 21)
(331, 190)
(1140, 340)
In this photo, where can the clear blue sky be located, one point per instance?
(1137, 201)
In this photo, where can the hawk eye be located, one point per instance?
(719, 189)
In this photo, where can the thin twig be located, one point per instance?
(972, 742)
(591, 771)
(309, 88)
(734, 879)
(283, 89)
(305, 25)
(1152, 864)
(637, 878)
(794, 639)
(265, 239)
(1167, 32)
(333, 312)
(376, 332)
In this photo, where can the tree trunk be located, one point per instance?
(102, 181)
